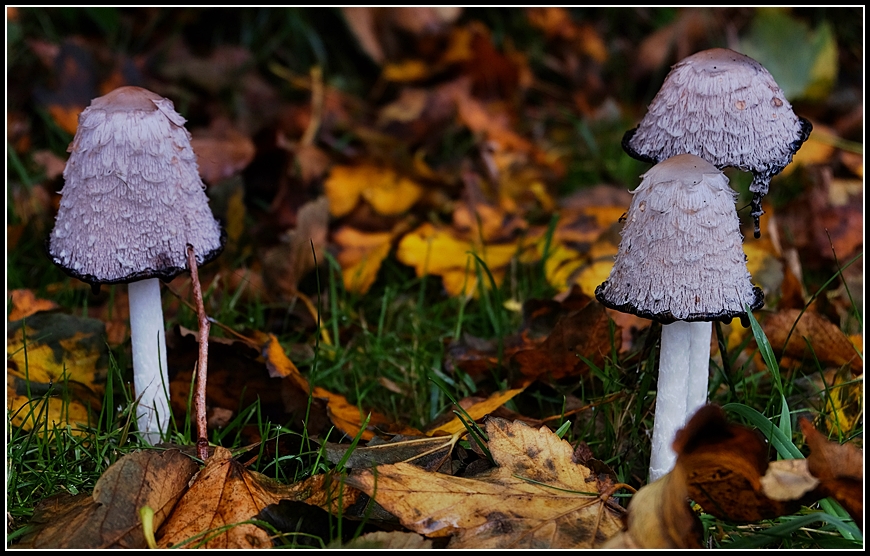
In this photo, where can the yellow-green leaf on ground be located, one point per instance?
(109, 518)
(537, 497)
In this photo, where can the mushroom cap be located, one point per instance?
(681, 254)
(132, 198)
(726, 108)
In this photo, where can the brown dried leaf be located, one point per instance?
(839, 468)
(224, 495)
(222, 151)
(286, 265)
(659, 516)
(109, 518)
(828, 342)
(724, 464)
(537, 497)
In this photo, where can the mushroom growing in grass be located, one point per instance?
(726, 108)
(681, 262)
(131, 203)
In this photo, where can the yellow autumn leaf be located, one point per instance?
(388, 192)
(480, 409)
(56, 369)
(402, 72)
(537, 496)
(361, 256)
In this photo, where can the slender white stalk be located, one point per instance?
(150, 377)
(684, 366)
(699, 379)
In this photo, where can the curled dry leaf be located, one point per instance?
(537, 497)
(109, 518)
(828, 342)
(660, 517)
(840, 470)
(723, 464)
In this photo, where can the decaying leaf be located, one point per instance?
(724, 463)
(424, 452)
(59, 360)
(828, 342)
(840, 470)
(659, 517)
(109, 518)
(217, 509)
(387, 540)
(537, 497)
(25, 304)
(288, 263)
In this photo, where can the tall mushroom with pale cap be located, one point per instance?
(131, 203)
(726, 108)
(681, 262)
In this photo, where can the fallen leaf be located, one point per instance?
(59, 360)
(424, 452)
(479, 410)
(288, 263)
(109, 518)
(440, 251)
(840, 470)
(388, 192)
(659, 517)
(361, 256)
(214, 511)
(829, 344)
(537, 497)
(222, 151)
(386, 540)
(25, 304)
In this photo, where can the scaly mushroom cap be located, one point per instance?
(132, 198)
(726, 108)
(681, 254)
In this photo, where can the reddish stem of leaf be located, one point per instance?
(202, 364)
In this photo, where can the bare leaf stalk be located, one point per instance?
(202, 364)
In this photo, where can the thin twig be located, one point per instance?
(202, 364)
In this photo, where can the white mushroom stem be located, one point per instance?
(684, 371)
(150, 377)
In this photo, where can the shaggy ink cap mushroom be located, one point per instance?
(132, 198)
(681, 262)
(726, 108)
(131, 204)
(681, 254)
